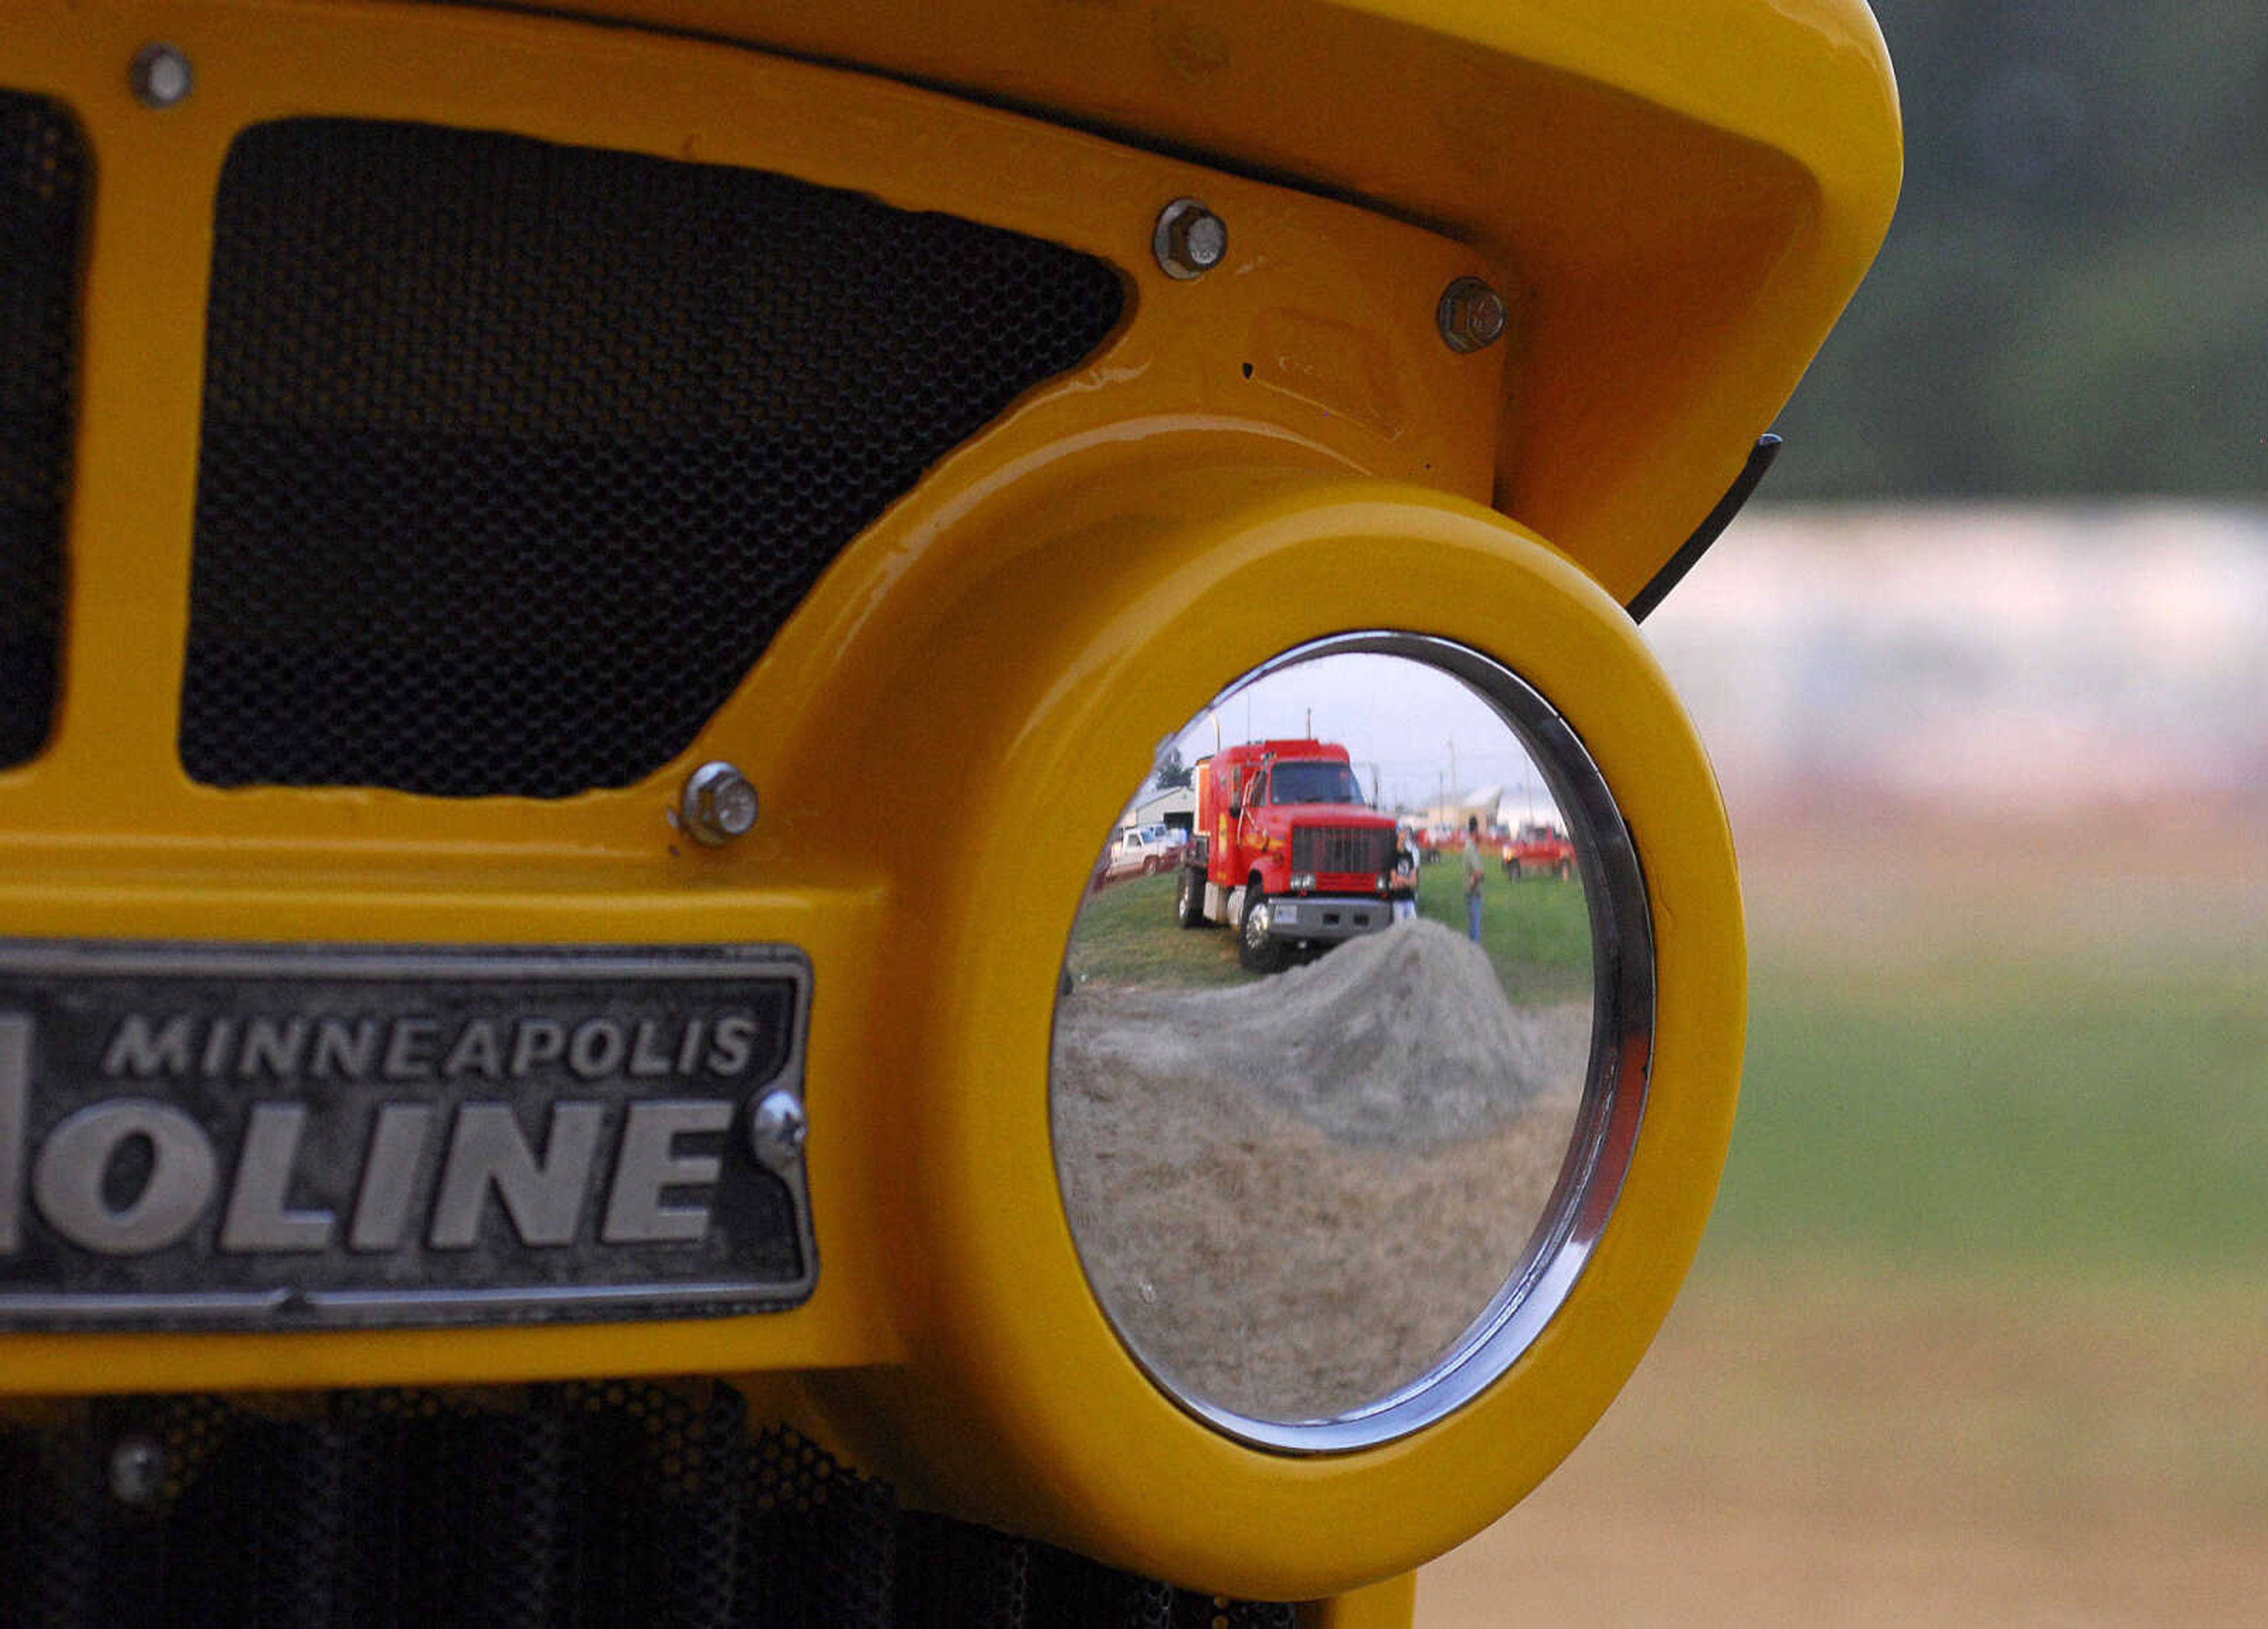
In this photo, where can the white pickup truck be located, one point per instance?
(1145, 850)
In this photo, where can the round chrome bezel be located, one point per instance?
(1606, 1120)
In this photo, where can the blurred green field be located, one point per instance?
(1976, 1332)
(1536, 931)
(2042, 1114)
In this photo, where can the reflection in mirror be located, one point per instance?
(1326, 1031)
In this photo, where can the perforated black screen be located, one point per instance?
(557, 1508)
(516, 456)
(42, 192)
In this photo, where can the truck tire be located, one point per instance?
(1189, 900)
(1256, 950)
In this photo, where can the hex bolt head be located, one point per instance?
(161, 76)
(1190, 240)
(1472, 315)
(718, 804)
(137, 1471)
(776, 1128)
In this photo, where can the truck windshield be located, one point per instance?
(1314, 783)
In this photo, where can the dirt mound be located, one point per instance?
(1294, 1194)
(1401, 1037)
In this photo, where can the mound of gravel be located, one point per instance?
(1402, 1037)
(1294, 1196)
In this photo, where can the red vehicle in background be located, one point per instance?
(1287, 850)
(1539, 851)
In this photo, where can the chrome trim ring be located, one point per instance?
(1613, 1103)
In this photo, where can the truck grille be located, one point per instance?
(1342, 849)
(516, 455)
(574, 1507)
(43, 193)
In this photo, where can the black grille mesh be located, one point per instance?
(1342, 849)
(560, 1507)
(42, 195)
(515, 455)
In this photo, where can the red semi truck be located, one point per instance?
(1287, 850)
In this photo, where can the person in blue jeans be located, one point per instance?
(1474, 866)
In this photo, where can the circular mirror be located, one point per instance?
(1350, 1048)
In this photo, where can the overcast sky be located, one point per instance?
(1397, 718)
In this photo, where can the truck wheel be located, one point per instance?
(1255, 949)
(1149, 865)
(1188, 903)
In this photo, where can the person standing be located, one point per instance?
(1474, 869)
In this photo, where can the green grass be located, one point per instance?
(1127, 934)
(2082, 1117)
(1536, 931)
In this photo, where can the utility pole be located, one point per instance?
(1455, 783)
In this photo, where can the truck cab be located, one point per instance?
(1291, 853)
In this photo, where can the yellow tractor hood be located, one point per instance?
(1688, 190)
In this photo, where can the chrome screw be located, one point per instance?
(137, 1471)
(161, 76)
(1190, 240)
(718, 803)
(1472, 315)
(776, 1128)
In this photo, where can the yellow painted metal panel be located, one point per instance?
(1328, 307)
(1318, 333)
(1126, 606)
(1680, 198)
(1690, 189)
(1392, 1604)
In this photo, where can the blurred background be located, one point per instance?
(1979, 1333)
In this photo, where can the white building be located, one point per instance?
(1175, 806)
